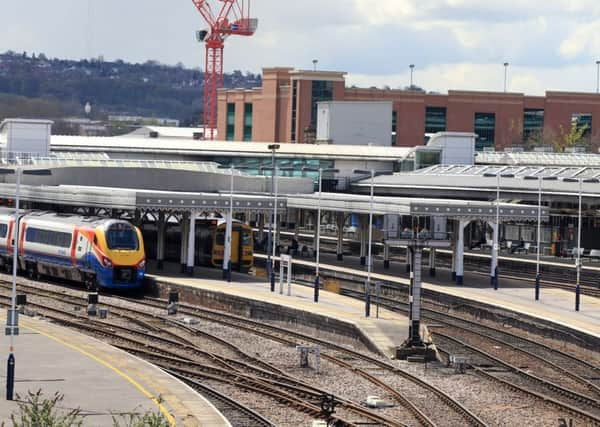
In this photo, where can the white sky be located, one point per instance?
(455, 44)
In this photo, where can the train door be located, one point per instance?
(82, 247)
(235, 246)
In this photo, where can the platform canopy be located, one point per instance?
(131, 199)
(469, 182)
(451, 209)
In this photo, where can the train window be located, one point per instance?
(48, 237)
(246, 238)
(121, 235)
(220, 238)
(3, 230)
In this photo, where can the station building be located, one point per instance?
(284, 109)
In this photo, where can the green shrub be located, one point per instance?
(38, 411)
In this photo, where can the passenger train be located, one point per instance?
(98, 252)
(210, 243)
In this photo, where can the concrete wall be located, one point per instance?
(355, 123)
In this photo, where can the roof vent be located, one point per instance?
(153, 134)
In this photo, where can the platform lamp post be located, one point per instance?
(373, 174)
(12, 324)
(496, 247)
(581, 181)
(270, 246)
(539, 227)
(318, 242)
(412, 69)
(598, 76)
(229, 225)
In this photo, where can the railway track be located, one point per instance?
(341, 359)
(238, 415)
(270, 383)
(579, 398)
(555, 275)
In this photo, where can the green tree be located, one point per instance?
(571, 138)
(37, 411)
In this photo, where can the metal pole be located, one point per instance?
(505, 75)
(318, 242)
(497, 248)
(539, 230)
(577, 287)
(412, 67)
(270, 237)
(597, 76)
(10, 371)
(369, 259)
(229, 230)
(275, 228)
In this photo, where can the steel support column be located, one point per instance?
(184, 226)
(191, 247)
(340, 236)
(161, 228)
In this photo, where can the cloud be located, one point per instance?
(486, 77)
(454, 43)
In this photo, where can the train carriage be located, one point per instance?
(108, 253)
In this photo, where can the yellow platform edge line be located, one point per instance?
(116, 370)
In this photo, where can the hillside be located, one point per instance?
(35, 86)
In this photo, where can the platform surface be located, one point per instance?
(97, 378)
(386, 332)
(555, 305)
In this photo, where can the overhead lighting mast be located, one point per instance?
(233, 19)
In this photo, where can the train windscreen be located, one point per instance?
(121, 236)
(246, 238)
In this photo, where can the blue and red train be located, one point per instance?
(98, 252)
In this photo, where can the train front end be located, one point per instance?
(121, 256)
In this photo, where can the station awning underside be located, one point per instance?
(451, 209)
(131, 199)
(468, 182)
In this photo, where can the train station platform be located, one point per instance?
(555, 305)
(384, 333)
(97, 378)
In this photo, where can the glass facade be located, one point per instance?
(294, 109)
(254, 166)
(435, 119)
(485, 128)
(230, 121)
(533, 122)
(580, 120)
(394, 126)
(321, 91)
(248, 122)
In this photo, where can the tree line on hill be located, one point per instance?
(38, 87)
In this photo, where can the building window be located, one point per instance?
(230, 121)
(248, 122)
(321, 91)
(485, 128)
(435, 119)
(533, 123)
(294, 109)
(582, 121)
(394, 126)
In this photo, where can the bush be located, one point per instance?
(37, 411)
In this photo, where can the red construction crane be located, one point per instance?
(233, 19)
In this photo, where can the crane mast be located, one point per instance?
(233, 18)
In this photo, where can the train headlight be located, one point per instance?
(106, 262)
(142, 264)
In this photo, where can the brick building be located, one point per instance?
(284, 110)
